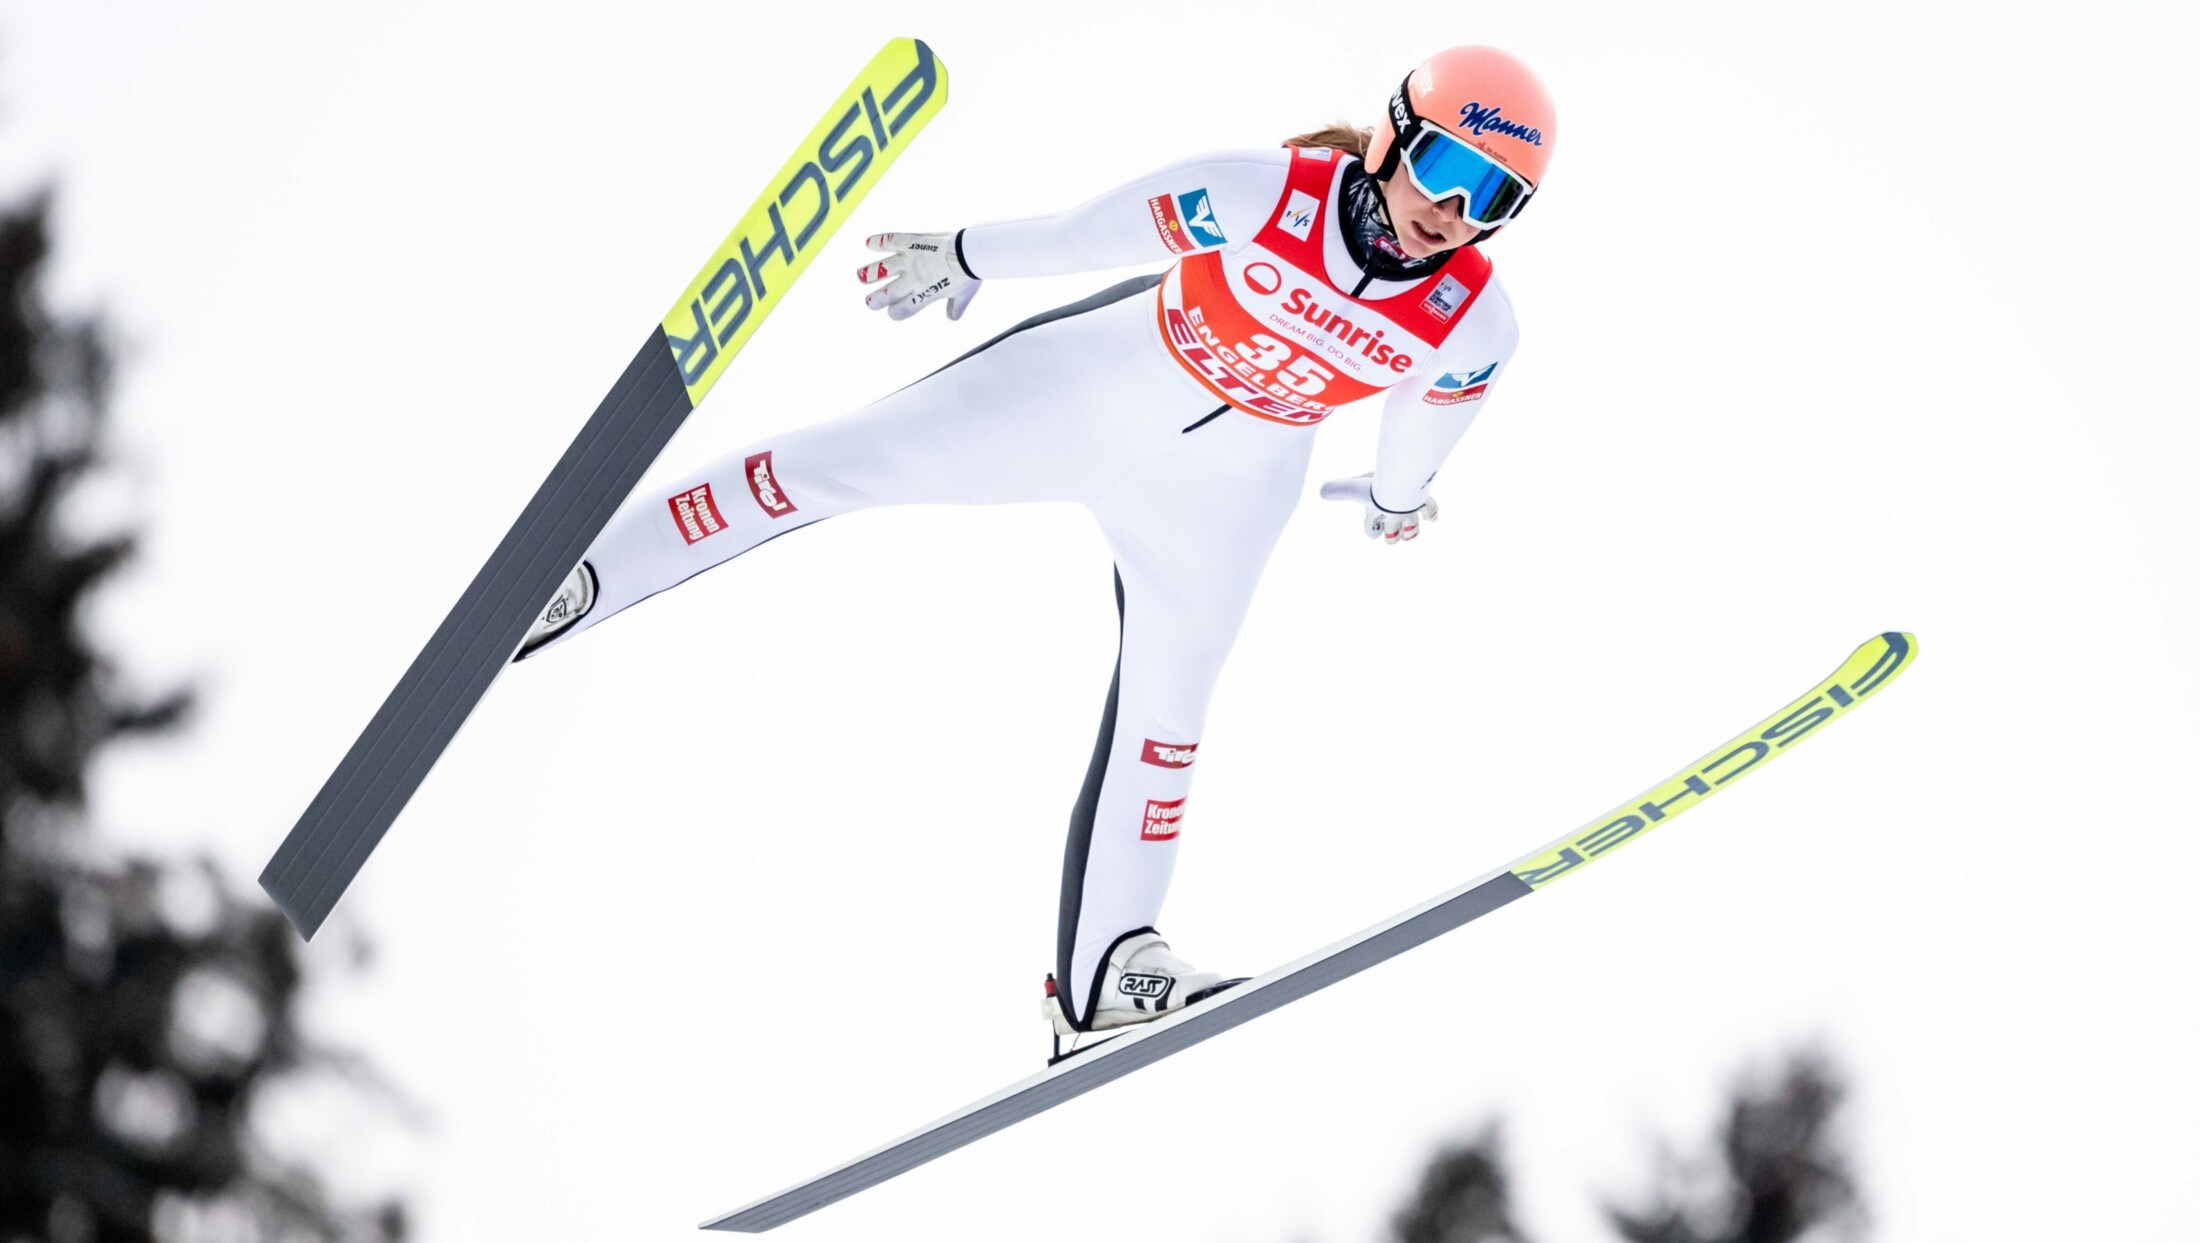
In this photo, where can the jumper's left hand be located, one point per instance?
(1391, 526)
(919, 269)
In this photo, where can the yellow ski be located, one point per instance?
(1870, 668)
(845, 154)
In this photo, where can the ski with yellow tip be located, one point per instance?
(1865, 672)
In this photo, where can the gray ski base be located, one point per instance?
(1140, 1047)
(361, 799)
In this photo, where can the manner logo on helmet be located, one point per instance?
(1481, 120)
(1170, 754)
(1298, 214)
(696, 514)
(1163, 818)
(764, 487)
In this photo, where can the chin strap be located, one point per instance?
(1401, 119)
(1380, 206)
(1367, 228)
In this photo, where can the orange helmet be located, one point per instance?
(1471, 122)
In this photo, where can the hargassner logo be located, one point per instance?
(1162, 209)
(1480, 120)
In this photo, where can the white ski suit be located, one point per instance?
(1177, 409)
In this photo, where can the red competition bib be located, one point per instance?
(1264, 329)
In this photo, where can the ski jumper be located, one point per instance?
(1178, 409)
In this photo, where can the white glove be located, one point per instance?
(920, 269)
(1391, 526)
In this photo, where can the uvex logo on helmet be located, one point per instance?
(1486, 120)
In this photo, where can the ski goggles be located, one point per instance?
(1443, 167)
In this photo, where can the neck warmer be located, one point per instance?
(1368, 235)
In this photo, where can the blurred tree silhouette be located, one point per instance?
(1464, 1197)
(1776, 1176)
(144, 1007)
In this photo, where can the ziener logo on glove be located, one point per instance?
(696, 514)
(1162, 820)
(765, 488)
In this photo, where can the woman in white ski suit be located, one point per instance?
(1177, 408)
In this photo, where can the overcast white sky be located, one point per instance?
(764, 873)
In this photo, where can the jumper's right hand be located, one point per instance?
(919, 269)
(1391, 526)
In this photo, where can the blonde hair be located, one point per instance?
(1350, 139)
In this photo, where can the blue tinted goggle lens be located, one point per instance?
(1443, 167)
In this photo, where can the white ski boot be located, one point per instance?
(575, 597)
(1142, 982)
